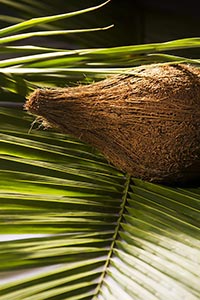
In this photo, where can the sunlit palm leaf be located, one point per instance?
(97, 234)
(157, 254)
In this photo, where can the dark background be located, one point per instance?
(136, 21)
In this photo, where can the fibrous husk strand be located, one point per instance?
(146, 123)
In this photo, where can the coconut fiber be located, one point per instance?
(146, 123)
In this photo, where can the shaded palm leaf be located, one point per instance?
(38, 66)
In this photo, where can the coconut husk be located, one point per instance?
(146, 123)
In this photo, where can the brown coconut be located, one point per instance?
(146, 123)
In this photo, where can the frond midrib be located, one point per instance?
(115, 236)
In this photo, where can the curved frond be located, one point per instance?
(42, 20)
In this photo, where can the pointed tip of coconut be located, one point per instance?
(32, 104)
(37, 102)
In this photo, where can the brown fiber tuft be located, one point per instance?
(146, 123)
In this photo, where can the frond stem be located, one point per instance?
(124, 199)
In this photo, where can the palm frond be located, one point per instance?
(18, 37)
(94, 232)
(42, 20)
(38, 66)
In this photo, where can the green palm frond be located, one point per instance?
(58, 67)
(97, 234)
(38, 66)
(43, 20)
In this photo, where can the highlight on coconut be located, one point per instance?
(146, 123)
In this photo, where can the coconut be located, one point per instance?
(146, 123)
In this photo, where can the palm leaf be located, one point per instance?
(56, 66)
(84, 230)
(42, 20)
